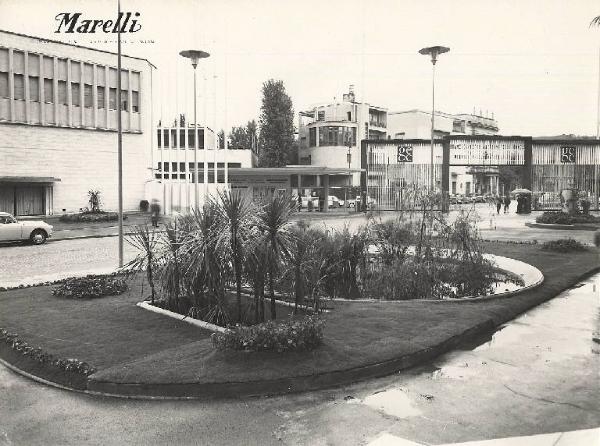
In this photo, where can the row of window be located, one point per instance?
(332, 136)
(168, 138)
(176, 171)
(48, 93)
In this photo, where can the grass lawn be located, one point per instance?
(130, 345)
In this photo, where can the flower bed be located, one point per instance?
(564, 245)
(90, 217)
(91, 286)
(290, 335)
(37, 354)
(562, 218)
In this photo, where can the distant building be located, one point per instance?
(416, 124)
(58, 126)
(330, 134)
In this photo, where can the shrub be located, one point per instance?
(90, 217)
(561, 218)
(144, 205)
(563, 245)
(291, 335)
(90, 286)
(597, 238)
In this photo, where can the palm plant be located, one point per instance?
(274, 224)
(205, 269)
(145, 241)
(170, 271)
(237, 215)
(255, 268)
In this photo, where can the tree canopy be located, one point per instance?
(276, 140)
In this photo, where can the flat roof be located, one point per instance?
(76, 46)
(5, 179)
(292, 170)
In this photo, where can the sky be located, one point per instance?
(534, 64)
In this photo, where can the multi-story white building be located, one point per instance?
(416, 124)
(329, 135)
(58, 126)
(175, 169)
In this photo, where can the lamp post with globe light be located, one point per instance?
(195, 56)
(434, 52)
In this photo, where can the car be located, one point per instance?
(315, 202)
(335, 202)
(35, 231)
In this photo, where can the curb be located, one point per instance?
(575, 227)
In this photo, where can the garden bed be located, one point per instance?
(141, 353)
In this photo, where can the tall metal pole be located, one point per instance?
(598, 111)
(432, 124)
(205, 135)
(120, 137)
(196, 186)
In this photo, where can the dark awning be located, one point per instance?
(292, 170)
(42, 180)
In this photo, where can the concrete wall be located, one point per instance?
(82, 159)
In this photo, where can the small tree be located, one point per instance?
(94, 200)
(276, 140)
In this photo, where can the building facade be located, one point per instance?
(174, 168)
(58, 126)
(329, 135)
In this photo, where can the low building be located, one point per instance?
(58, 126)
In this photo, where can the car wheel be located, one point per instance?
(38, 237)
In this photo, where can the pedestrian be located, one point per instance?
(519, 204)
(155, 212)
(498, 204)
(506, 204)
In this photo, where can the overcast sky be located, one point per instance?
(533, 63)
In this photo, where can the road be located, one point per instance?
(538, 374)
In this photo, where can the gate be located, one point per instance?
(559, 165)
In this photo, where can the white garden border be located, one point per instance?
(198, 323)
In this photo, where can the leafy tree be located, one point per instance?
(221, 136)
(276, 140)
(244, 137)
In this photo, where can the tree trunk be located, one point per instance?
(272, 292)
(256, 301)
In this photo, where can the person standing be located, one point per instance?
(498, 204)
(506, 203)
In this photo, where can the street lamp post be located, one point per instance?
(433, 51)
(195, 56)
(349, 159)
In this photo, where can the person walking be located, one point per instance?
(154, 212)
(506, 203)
(498, 204)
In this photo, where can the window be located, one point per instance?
(135, 102)
(101, 97)
(19, 86)
(4, 85)
(349, 116)
(174, 138)
(49, 91)
(182, 139)
(75, 95)
(159, 138)
(112, 99)
(321, 116)
(191, 138)
(62, 93)
(312, 137)
(166, 138)
(88, 98)
(124, 100)
(34, 88)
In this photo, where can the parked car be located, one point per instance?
(335, 202)
(315, 202)
(36, 231)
